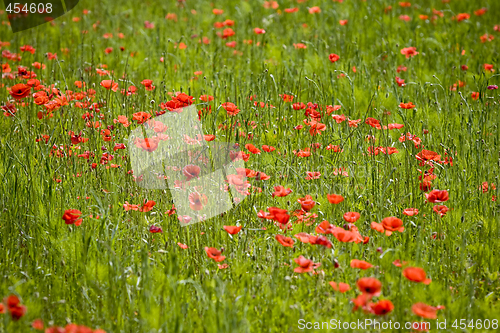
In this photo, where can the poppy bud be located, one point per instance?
(336, 263)
(379, 250)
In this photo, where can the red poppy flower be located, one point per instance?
(342, 235)
(280, 191)
(340, 171)
(369, 285)
(141, 117)
(214, 254)
(320, 240)
(351, 217)
(375, 123)
(361, 264)
(325, 228)
(37, 324)
(361, 301)
(428, 155)
(191, 171)
(128, 206)
(15, 308)
(20, 90)
(287, 98)
(303, 237)
(407, 106)
(462, 16)
(184, 219)
(312, 175)
(398, 263)
(197, 201)
(425, 311)
(305, 265)
(182, 246)
(299, 46)
(209, 137)
(409, 52)
(392, 224)
(10, 109)
(488, 67)
(395, 126)
(268, 149)
(316, 128)
(334, 198)
(436, 196)
(147, 144)
(28, 48)
(109, 84)
(307, 203)
(416, 274)
(285, 241)
(314, 10)
(72, 216)
(231, 109)
(232, 229)
(147, 206)
(377, 226)
(382, 307)
(339, 118)
(340, 287)
(298, 106)
(154, 229)
(410, 211)
(333, 57)
(277, 214)
(252, 149)
(441, 210)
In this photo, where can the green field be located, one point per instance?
(67, 106)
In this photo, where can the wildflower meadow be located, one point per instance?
(250, 166)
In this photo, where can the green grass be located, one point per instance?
(114, 274)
